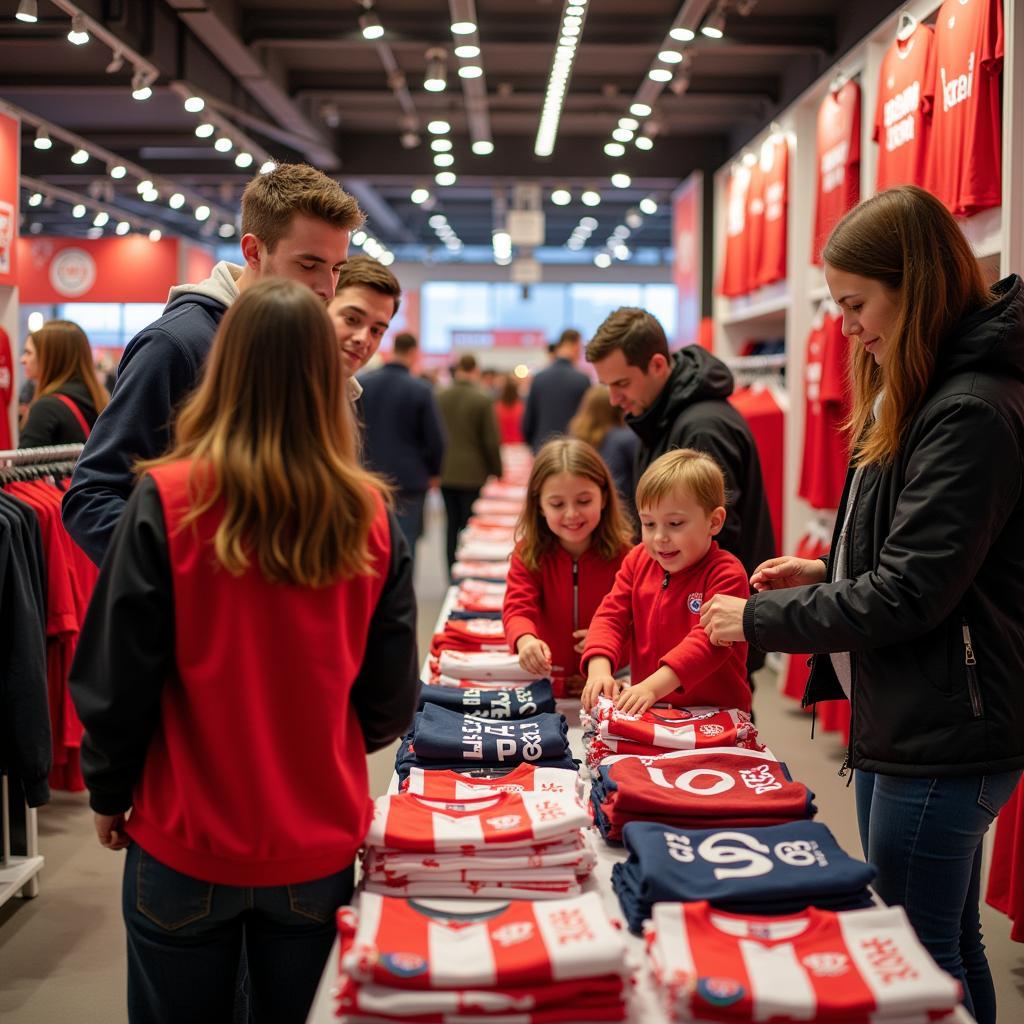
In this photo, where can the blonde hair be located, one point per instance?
(562, 455)
(684, 469)
(595, 417)
(909, 242)
(270, 433)
(63, 354)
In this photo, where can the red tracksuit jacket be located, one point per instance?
(652, 618)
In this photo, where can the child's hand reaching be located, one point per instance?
(599, 684)
(635, 700)
(534, 655)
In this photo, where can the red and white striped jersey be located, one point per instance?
(451, 785)
(404, 944)
(576, 851)
(408, 822)
(673, 728)
(482, 665)
(815, 965)
(480, 570)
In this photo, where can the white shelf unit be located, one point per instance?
(18, 874)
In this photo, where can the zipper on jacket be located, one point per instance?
(970, 663)
(846, 769)
(664, 582)
(575, 595)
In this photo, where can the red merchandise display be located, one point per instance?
(734, 267)
(838, 152)
(765, 416)
(774, 169)
(754, 227)
(965, 151)
(1006, 876)
(904, 109)
(6, 388)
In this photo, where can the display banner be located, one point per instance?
(10, 157)
(197, 263)
(499, 338)
(686, 262)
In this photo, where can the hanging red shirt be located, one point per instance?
(774, 168)
(6, 388)
(838, 151)
(767, 422)
(734, 265)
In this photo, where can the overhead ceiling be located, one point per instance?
(298, 81)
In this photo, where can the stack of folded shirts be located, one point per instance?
(496, 507)
(492, 572)
(525, 845)
(505, 491)
(487, 531)
(473, 549)
(469, 782)
(480, 596)
(718, 788)
(780, 869)
(480, 665)
(509, 703)
(607, 731)
(493, 519)
(477, 634)
(850, 967)
(521, 962)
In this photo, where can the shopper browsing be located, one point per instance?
(651, 619)
(572, 537)
(250, 639)
(916, 614)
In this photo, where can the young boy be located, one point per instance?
(652, 613)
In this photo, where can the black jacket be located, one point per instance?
(553, 400)
(50, 421)
(934, 612)
(692, 412)
(402, 435)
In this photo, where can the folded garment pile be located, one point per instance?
(466, 783)
(474, 548)
(479, 596)
(508, 703)
(495, 667)
(475, 634)
(491, 572)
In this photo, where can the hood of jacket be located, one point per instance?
(696, 376)
(221, 286)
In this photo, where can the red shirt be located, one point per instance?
(270, 789)
(6, 388)
(965, 155)
(510, 419)
(903, 112)
(838, 161)
(774, 168)
(734, 265)
(655, 617)
(541, 602)
(754, 227)
(767, 422)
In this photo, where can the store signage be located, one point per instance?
(72, 273)
(686, 250)
(10, 169)
(499, 339)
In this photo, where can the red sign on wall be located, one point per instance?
(10, 170)
(686, 249)
(498, 338)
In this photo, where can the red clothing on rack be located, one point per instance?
(1006, 875)
(6, 388)
(767, 422)
(734, 264)
(838, 161)
(774, 165)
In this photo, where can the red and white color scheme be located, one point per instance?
(904, 111)
(764, 407)
(6, 388)
(773, 168)
(838, 143)
(734, 279)
(675, 728)
(467, 570)
(482, 666)
(855, 966)
(524, 778)
(470, 635)
(480, 596)
(10, 165)
(965, 151)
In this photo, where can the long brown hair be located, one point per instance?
(595, 417)
(564, 455)
(270, 432)
(63, 354)
(909, 242)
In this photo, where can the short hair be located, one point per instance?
(366, 272)
(552, 345)
(271, 200)
(636, 332)
(570, 336)
(405, 343)
(687, 470)
(466, 363)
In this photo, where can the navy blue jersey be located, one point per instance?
(513, 703)
(406, 759)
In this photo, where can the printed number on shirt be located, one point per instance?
(750, 857)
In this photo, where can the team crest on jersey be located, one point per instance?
(720, 991)
(514, 933)
(504, 821)
(712, 730)
(827, 965)
(404, 965)
(694, 601)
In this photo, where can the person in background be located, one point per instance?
(68, 395)
(25, 396)
(917, 613)
(601, 424)
(472, 454)
(402, 434)
(555, 393)
(490, 381)
(235, 772)
(296, 223)
(508, 407)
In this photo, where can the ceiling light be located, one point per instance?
(443, 159)
(561, 197)
(94, 233)
(387, 258)
(502, 243)
(621, 252)
(574, 10)
(575, 244)
(591, 198)
(176, 201)
(629, 122)
(194, 104)
(648, 206)
(143, 186)
(226, 230)
(441, 145)
(244, 160)
(614, 148)
(409, 140)
(43, 140)
(436, 77)
(470, 71)
(202, 212)
(358, 237)
(640, 109)
(223, 144)
(141, 82)
(420, 196)
(35, 199)
(151, 195)
(117, 171)
(79, 34)
(267, 166)
(27, 11)
(80, 156)
(670, 56)
(483, 147)
(682, 35)
(445, 178)
(588, 223)
(142, 93)
(155, 235)
(204, 130)
(660, 75)
(602, 260)
(463, 28)
(439, 127)
(78, 210)
(438, 221)
(123, 227)
(621, 180)
(622, 135)
(643, 142)
(467, 51)
(371, 26)
(714, 25)
(100, 220)
(633, 219)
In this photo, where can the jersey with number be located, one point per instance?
(524, 778)
(816, 965)
(838, 151)
(774, 168)
(734, 265)
(406, 945)
(443, 735)
(675, 728)
(904, 109)
(965, 150)
(6, 388)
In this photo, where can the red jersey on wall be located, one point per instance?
(6, 388)
(734, 266)
(838, 160)
(965, 153)
(774, 167)
(755, 224)
(903, 112)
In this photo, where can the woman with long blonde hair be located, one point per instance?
(251, 638)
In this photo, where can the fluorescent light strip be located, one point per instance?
(570, 31)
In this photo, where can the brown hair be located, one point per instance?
(366, 272)
(570, 336)
(909, 242)
(683, 469)
(509, 390)
(635, 331)
(563, 455)
(63, 353)
(466, 363)
(405, 343)
(595, 417)
(270, 433)
(271, 200)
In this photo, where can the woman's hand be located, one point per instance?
(110, 831)
(598, 685)
(722, 619)
(580, 636)
(534, 655)
(787, 571)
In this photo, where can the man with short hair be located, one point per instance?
(472, 454)
(296, 223)
(556, 392)
(402, 433)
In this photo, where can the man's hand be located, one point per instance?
(722, 619)
(534, 655)
(787, 571)
(110, 831)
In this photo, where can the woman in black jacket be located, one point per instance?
(917, 617)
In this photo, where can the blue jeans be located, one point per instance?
(924, 837)
(185, 937)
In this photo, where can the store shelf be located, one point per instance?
(773, 362)
(15, 873)
(759, 306)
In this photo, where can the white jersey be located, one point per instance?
(452, 785)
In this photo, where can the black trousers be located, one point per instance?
(458, 503)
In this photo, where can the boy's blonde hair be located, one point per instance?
(682, 470)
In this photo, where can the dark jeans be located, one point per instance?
(924, 836)
(409, 513)
(185, 937)
(458, 504)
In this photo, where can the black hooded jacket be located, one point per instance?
(933, 615)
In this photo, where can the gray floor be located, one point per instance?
(62, 954)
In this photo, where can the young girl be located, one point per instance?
(572, 536)
(251, 637)
(653, 612)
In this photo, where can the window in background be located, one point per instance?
(101, 321)
(138, 315)
(448, 306)
(589, 304)
(660, 299)
(542, 308)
